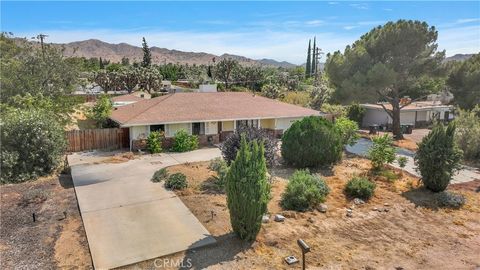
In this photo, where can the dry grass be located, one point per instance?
(413, 234)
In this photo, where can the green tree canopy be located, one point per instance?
(386, 64)
(464, 82)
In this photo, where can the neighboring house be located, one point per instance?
(418, 114)
(211, 116)
(123, 100)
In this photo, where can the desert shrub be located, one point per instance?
(334, 109)
(348, 130)
(184, 142)
(360, 187)
(355, 112)
(402, 161)
(160, 175)
(219, 166)
(231, 145)
(467, 133)
(390, 175)
(312, 142)
(33, 144)
(449, 199)
(34, 196)
(247, 190)
(176, 181)
(154, 142)
(304, 191)
(438, 157)
(381, 152)
(299, 98)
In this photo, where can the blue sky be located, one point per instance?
(278, 30)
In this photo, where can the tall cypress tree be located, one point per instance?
(247, 190)
(314, 59)
(147, 55)
(309, 59)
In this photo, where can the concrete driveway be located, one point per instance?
(128, 218)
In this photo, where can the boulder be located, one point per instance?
(279, 218)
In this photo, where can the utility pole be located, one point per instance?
(42, 37)
(318, 56)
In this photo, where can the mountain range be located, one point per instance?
(115, 52)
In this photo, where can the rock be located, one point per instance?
(386, 210)
(322, 208)
(349, 212)
(386, 204)
(311, 220)
(279, 218)
(375, 209)
(358, 201)
(265, 219)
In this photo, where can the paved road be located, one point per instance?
(128, 218)
(467, 174)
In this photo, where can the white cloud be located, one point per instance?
(333, 3)
(315, 22)
(350, 27)
(388, 9)
(469, 20)
(361, 6)
(459, 39)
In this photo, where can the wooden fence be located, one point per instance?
(90, 139)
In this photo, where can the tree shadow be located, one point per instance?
(422, 197)
(65, 180)
(226, 249)
(211, 186)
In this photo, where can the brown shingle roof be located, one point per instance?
(191, 107)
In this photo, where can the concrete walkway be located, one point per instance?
(128, 218)
(466, 174)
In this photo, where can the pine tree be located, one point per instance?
(313, 70)
(308, 65)
(147, 55)
(247, 190)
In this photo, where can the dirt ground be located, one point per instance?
(56, 240)
(399, 228)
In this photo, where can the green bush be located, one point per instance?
(348, 130)
(160, 175)
(219, 166)
(438, 157)
(467, 132)
(355, 112)
(304, 191)
(184, 142)
(33, 144)
(176, 181)
(402, 161)
(247, 190)
(154, 142)
(360, 187)
(381, 152)
(312, 142)
(101, 110)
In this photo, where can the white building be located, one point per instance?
(418, 114)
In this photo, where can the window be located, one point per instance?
(247, 123)
(198, 128)
(157, 128)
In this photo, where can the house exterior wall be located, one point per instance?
(139, 132)
(417, 118)
(211, 128)
(285, 123)
(228, 125)
(171, 129)
(267, 123)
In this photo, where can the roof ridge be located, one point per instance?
(153, 104)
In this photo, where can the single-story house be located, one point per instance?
(211, 116)
(418, 114)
